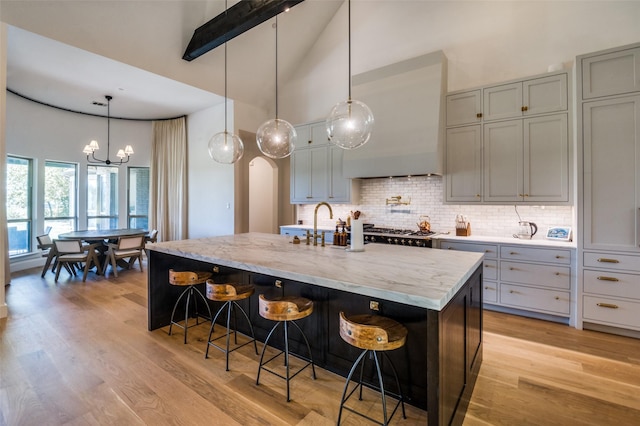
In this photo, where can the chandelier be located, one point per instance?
(90, 150)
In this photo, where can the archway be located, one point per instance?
(263, 195)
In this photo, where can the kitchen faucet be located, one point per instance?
(315, 224)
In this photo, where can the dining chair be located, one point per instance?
(72, 252)
(126, 248)
(151, 238)
(45, 243)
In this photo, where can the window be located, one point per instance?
(138, 181)
(60, 197)
(102, 197)
(19, 217)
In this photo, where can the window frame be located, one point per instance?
(129, 215)
(75, 218)
(29, 220)
(114, 189)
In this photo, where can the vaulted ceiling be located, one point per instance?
(70, 54)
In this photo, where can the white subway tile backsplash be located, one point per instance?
(426, 194)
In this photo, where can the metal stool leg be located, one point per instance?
(313, 369)
(346, 385)
(174, 308)
(253, 336)
(264, 348)
(213, 323)
(395, 375)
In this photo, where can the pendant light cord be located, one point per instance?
(225, 74)
(276, 67)
(349, 27)
(108, 125)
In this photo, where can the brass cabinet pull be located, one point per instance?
(520, 195)
(216, 269)
(278, 284)
(477, 195)
(513, 291)
(558, 257)
(309, 196)
(525, 108)
(513, 253)
(557, 297)
(487, 251)
(310, 142)
(512, 268)
(479, 115)
(557, 273)
(605, 260)
(526, 195)
(607, 305)
(608, 279)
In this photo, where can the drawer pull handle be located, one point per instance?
(513, 253)
(487, 251)
(489, 288)
(607, 305)
(558, 257)
(608, 279)
(557, 297)
(513, 291)
(512, 268)
(605, 260)
(449, 248)
(557, 273)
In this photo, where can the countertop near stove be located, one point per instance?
(426, 278)
(505, 240)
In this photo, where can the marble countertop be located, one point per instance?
(506, 240)
(428, 278)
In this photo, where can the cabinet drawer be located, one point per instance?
(490, 270)
(610, 311)
(551, 276)
(553, 301)
(531, 254)
(489, 291)
(612, 261)
(490, 250)
(612, 284)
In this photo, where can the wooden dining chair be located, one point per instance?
(71, 252)
(45, 243)
(126, 248)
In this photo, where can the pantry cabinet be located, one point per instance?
(609, 191)
(316, 169)
(525, 279)
(509, 143)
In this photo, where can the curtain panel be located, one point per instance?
(168, 198)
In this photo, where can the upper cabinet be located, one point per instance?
(529, 97)
(316, 169)
(612, 73)
(509, 143)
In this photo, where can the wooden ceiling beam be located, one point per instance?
(239, 18)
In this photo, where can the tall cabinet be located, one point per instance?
(509, 143)
(609, 191)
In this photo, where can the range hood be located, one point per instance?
(407, 101)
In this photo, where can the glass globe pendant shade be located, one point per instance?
(225, 147)
(349, 125)
(276, 138)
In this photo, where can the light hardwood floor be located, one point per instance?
(76, 353)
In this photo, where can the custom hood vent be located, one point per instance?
(407, 100)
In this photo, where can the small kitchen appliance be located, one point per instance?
(526, 230)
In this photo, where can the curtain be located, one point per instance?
(168, 198)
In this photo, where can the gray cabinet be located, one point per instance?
(515, 149)
(316, 169)
(524, 279)
(609, 207)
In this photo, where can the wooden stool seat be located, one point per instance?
(287, 308)
(230, 294)
(188, 279)
(185, 278)
(372, 332)
(228, 291)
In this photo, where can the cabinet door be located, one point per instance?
(463, 174)
(303, 134)
(300, 176)
(611, 178)
(543, 95)
(464, 108)
(546, 159)
(611, 74)
(319, 135)
(339, 187)
(504, 101)
(503, 158)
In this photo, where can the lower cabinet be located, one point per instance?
(523, 277)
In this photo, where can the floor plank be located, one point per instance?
(76, 353)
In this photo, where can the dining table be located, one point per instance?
(98, 238)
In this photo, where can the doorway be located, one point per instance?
(263, 195)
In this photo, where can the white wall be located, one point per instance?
(211, 184)
(485, 42)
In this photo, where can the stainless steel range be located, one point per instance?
(405, 237)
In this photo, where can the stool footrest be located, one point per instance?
(237, 346)
(399, 399)
(291, 376)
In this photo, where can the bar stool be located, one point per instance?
(190, 280)
(373, 334)
(229, 293)
(285, 310)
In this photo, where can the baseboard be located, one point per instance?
(21, 265)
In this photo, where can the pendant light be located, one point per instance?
(350, 123)
(225, 147)
(276, 138)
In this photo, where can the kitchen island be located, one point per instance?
(436, 294)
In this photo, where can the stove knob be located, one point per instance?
(373, 239)
(389, 240)
(366, 238)
(410, 242)
(395, 240)
(418, 243)
(403, 241)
